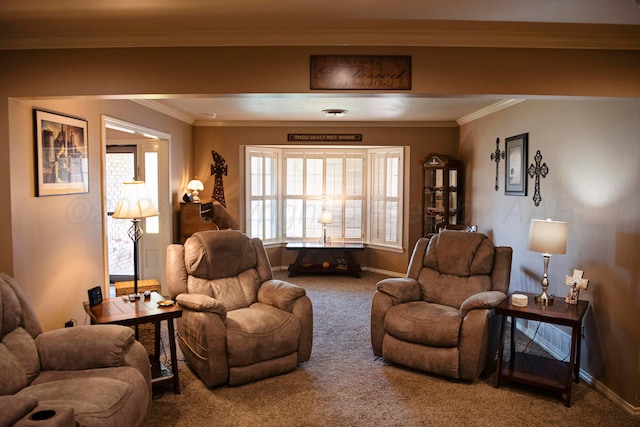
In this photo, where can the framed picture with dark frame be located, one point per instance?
(62, 154)
(515, 177)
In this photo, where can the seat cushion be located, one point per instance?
(260, 332)
(424, 323)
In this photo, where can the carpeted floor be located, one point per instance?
(345, 385)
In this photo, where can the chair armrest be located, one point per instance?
(13, 408)
(400, 290)
(84, 347)
(202, 303)
(280, 294)
(488, 299)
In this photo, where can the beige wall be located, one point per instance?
(592, 150)
(421, 141)
(56, 259)
(57, 240)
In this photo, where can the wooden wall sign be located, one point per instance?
(365, 72)
(323, 137)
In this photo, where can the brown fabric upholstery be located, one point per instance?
(96, 375)
(238, 324)
(440, 317)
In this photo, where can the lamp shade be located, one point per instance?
(325, 217)
(135, 202)
(195, 184)
(548, 237)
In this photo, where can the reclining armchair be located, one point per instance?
(238, 324)
(95, 375)
(440, 317)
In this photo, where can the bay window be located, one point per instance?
(362, 188)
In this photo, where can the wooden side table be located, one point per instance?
(326, 252)
(123, 312)
(529, 369)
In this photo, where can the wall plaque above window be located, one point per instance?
(333, 137)
(365, 72)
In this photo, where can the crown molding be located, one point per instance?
(324, 124)
(493, 108)
(161, 108)
(464, 34)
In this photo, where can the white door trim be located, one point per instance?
(164, 196)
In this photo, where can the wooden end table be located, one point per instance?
(529, 369)
(124, 312)
(326, 252)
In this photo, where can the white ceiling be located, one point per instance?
(123, 23)
(380, 108)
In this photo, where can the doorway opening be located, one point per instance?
(135, 153)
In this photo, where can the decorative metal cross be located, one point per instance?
(538, 171)
(496, 156)
(218, 168)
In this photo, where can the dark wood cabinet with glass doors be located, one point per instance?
(443, 197)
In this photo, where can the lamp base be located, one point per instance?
(544, 299)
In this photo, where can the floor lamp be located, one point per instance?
(135, 205)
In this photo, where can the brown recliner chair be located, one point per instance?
(440, 317)
(238, 324)
(95, 375)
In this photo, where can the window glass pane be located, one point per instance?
(314, 177)
(293, 218)
(378, 175)
(312, 214)
(377, 220)
(269, 219)
(257, 218)
(334, 176)
(294, 176)
(353, 219)
(270, 176)
(354, 176)
(256, 175)
(392, 177)
(391, 223)
(334, 230)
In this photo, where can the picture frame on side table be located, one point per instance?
(515, 177)
(62, 154)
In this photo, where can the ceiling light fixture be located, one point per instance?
(334, 112)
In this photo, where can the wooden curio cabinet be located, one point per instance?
(442, 197)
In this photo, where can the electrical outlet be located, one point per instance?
(68, 324)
